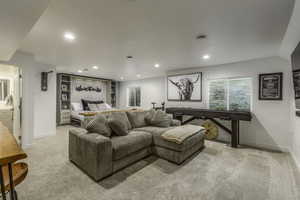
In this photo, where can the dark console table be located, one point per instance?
(234, 116)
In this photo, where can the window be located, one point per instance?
(134, 96)
(4, 89)
(230, 94)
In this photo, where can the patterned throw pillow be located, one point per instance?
(99, 125)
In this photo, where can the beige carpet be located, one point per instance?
(217, 173)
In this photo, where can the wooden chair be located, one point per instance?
(11, 173)
(19, 173)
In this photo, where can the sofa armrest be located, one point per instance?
(175, 122)
(91, 152)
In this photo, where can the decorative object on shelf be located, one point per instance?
(64, 88)
(64, 97)
(185, 87)
(44, 80)
(212, 131)
(270, 86)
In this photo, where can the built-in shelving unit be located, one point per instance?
(64, 89)
(63, 99)
(113, 93)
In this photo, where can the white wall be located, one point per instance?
(39, 108)
(289, 43)
(270, 127)
(152, 90)
(44, 115)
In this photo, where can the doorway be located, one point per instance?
(11, 99)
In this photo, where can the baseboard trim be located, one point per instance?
(44, 135)
(26, 146)
(265, 147)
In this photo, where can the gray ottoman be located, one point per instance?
(178, 153)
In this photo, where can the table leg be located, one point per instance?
(178, 117)
(235, 126)
(11, 182)
(2, 184)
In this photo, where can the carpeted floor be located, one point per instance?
(217, 173)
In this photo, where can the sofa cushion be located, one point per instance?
(118, 128)
(159, 141)
(137, 119)
(158, 118)
(99, 125)
(122, 118)
(134, 141)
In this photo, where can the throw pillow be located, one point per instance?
(99, 125)
(118, 128)
(76, 106)
(93, 107)
(104, 106)
(86, 102)
(158, 118)
(121, 117)
(149, 116)
(137, 119)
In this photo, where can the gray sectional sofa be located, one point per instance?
(100, 156)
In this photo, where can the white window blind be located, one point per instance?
(230, 94)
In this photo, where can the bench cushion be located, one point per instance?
(134, 141)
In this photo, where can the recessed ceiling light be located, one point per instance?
(138, 75)
(80, 71)
(157, 65)
(206, 56)
(95, 67)
(122, 78)
(69, 36)
(201, 36)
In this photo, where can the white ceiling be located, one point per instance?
(156, 31)
(16, 20)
